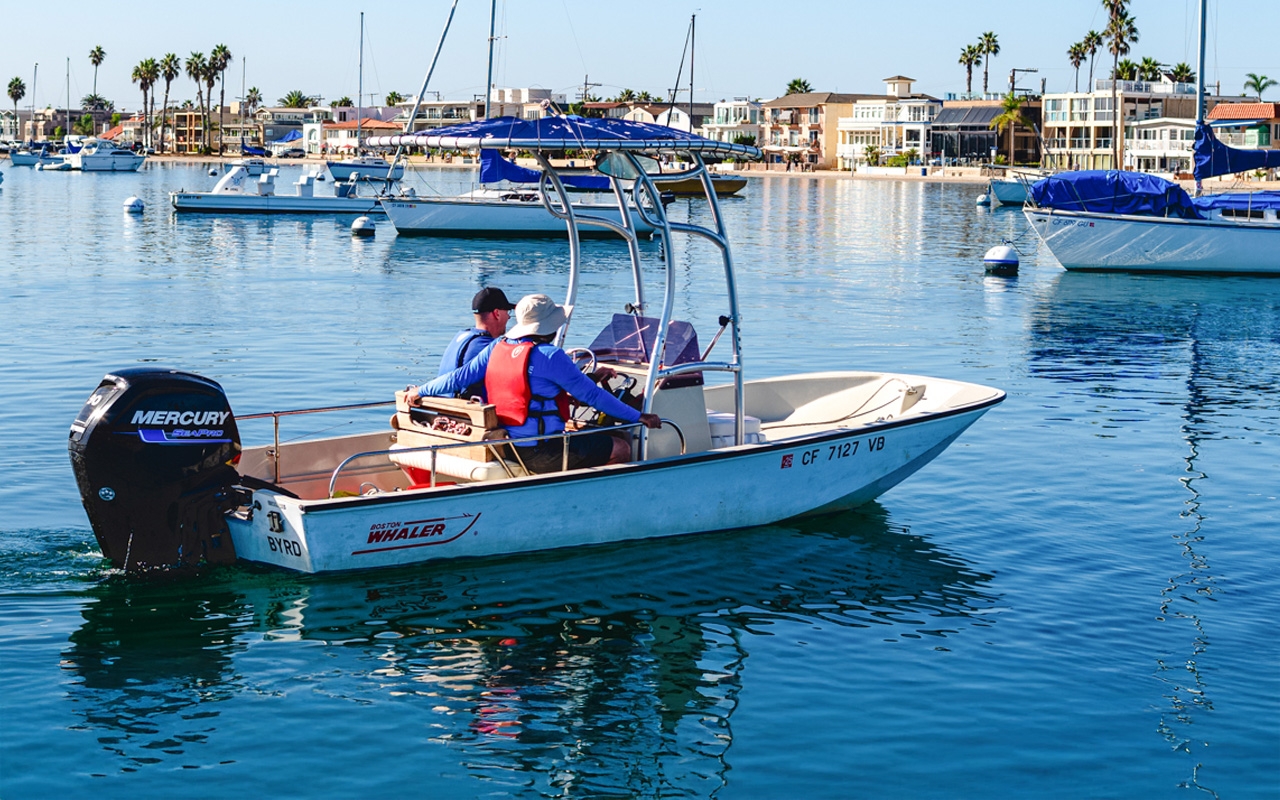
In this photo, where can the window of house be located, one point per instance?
(813, 116)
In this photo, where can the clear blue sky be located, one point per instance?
(744, 48)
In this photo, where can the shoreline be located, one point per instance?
(960, 175)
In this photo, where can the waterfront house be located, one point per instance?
(962, 132)
(802, 128)
(732, 119)
(1246, 125)
(340, 137)
(1077, 126)
(894, 123)
(525, 103)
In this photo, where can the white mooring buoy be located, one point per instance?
(133, 205)
(984, 199)
(213, 172)
(363, 226)
(1001, 260)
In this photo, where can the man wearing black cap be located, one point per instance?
(492, 312)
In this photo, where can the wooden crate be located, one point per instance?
(414, 424)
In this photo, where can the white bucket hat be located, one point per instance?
(537, 315)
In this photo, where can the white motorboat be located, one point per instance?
(165, 482)
(102, 155)
(237, 193)
(496, 213)
(1133, 221)
(365, 168)
(60, 163)
(29, 157)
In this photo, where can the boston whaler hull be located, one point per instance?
(165, 482)
(754, 484)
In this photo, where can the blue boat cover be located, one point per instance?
(494, 168)
(1212, 157)
(1239, 201)
(1112, 192)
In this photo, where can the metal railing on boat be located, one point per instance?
(491, 445)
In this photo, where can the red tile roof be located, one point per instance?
(113, 133)
(368, 123)
(1243, 111)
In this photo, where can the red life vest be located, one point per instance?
(506, 382)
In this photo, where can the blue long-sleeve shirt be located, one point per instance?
(550, 371)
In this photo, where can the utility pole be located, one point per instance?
(1013, 77)
(586, 89)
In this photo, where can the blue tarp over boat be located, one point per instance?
(1212, 157)
(1239, 201)
(494, 168)
(1112, 192)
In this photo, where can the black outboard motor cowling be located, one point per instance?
(154, 453)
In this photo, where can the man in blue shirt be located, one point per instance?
(524, 375)
(492, 311)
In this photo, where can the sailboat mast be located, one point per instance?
(1204, 7)
(693, 20)
(67, 132)
(34, 72)
(360, 86)
(488, 81)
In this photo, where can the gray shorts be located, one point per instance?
(586, 450)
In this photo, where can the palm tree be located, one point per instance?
(872, 154)
(645, 97)
(990, 46)
(1122, 34)
(1092, 43)
(195, 70)
(1258, 84)
(219, 59)
(170, 69)
(1126, 70)
(1182, 73)
(295, 99)
(1077, 54)
(210, 78)
(393, 98)
(253, 99)
(96, 56)
(151, 68)
(341, 101)
(799, 86)
(94, 101)
(1010, 117)
(17, 91)
(1149, 70)
(969, 56)
(141, 76)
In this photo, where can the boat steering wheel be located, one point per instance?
(583, 358)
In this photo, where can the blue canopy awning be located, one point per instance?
(565, 133)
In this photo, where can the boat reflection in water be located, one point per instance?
(1125, 338)
(559, 671)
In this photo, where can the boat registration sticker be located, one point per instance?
(417, 533)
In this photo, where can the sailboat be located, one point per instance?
(1116, 220)
(369, 168)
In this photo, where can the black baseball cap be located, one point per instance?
(490, 299)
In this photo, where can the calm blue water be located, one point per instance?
(1077, 599)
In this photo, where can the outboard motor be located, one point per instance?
(154, 453)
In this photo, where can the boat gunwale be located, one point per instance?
(1194, 223)
(322, 505)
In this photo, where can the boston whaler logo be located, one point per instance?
(417, 533)
(192, 422)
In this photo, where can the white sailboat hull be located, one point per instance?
(211, 202)
(1094, 241)
(820, 471)
(466, 216)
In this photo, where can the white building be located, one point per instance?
(734, 118)
(894, 124)
(528, 103)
